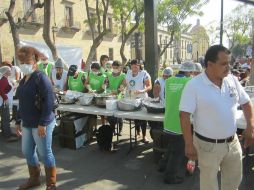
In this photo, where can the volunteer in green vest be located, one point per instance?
(114, 84)
(95, 82)
(45, 65)
(76, 79)
(103, 60)
(95, 79)
(174, 162)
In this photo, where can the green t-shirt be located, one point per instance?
(96, 81)
(115, 81)
(77, 84)
(173, 91)
(47, 70)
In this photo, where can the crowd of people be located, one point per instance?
(209, 95)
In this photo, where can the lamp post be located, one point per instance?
(221, 23)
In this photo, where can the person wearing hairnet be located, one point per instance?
(174, 162)
(198, 69)
(159, 92)
(159, 84)
(5, 98)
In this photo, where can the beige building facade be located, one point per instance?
(69, 28)
(200, 41)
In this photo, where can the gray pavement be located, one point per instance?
(90, 169)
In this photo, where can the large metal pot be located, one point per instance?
(67, 100)
(154, 106)
(129, 104)
(86, 99)
(100, 99)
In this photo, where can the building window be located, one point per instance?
(111, 53)
(68, 16)
(27, 6)
(110, 24)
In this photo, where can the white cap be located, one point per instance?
(187, 67)
(168, 71)
(198, 67)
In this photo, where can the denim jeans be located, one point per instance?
(31, 143)
(5, 120)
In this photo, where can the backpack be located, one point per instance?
(104, 137)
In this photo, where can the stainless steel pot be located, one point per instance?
(67, 100)
(100, 99)
(86, 99)
(129, 104)
(154, 107)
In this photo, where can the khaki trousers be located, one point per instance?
(226, 157)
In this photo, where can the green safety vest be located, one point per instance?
(47, 70)
(115, 82)
(173, 91)
(77, 84)
(96, 81)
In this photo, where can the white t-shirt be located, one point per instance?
(162, 85)
(214, 109)
(59, 83)
(137, 82)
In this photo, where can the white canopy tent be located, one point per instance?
(71, 55)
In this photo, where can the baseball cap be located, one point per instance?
(72, 70)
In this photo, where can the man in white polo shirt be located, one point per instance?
(212, 98)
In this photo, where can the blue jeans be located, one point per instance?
(31, 142)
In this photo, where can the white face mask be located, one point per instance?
(115, 71)
(95, 72)
(27, 69)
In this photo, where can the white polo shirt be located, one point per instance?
(213, 109)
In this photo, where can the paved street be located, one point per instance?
(90, 169)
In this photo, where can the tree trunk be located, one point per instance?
(46, 29)
(15, 34)
(97, 41)
(124, 59)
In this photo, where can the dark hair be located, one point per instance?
(95, 66)
(103, 57)
(116, 63)
(135, 62)
(212, 53)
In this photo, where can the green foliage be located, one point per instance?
(173, 12)
(238, 28)
(124, 12)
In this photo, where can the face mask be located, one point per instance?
(27, 69)
(95, 72)
(115, 71)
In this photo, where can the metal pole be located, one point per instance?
(221, 23)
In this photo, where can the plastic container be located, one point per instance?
(111, 104)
